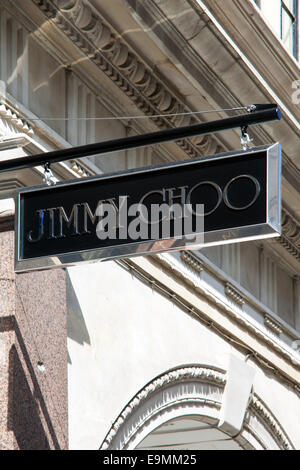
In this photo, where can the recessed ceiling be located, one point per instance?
(188, 434)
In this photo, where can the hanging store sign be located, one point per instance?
(224, 198)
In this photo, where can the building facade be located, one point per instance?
(183, 350)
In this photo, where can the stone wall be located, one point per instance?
(33, 375)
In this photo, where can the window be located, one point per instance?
(288, 25)
(284, 19)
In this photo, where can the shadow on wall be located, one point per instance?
(23, 410)
(76, 326)
(27, 414)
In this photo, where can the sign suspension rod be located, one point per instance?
(258, 114)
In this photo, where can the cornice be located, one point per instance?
(175, 35)
(253, 29)
(168, 27)
(95, 38)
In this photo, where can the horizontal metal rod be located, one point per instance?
(260, 114)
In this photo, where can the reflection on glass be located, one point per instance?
(288, 25)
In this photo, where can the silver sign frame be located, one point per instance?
(270, 228)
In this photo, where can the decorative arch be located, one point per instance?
(192, 390)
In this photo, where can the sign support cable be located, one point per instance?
(258, 115)
(224, 198)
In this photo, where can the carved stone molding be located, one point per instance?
(170, 395)
(79, 169)
(290, 238)
(95, 38)
(258, 407)
(234, 294)
(272, 325)
(185, 374)
(192, 260)
(13, 118)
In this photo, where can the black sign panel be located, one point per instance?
(100, 218)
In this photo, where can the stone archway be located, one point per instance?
(194, 393)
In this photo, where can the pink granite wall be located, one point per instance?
(33, 356)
